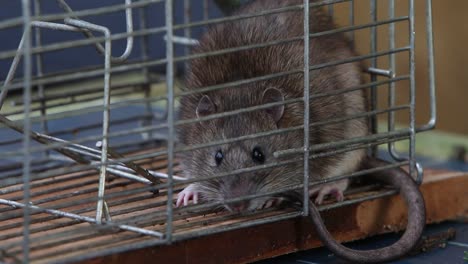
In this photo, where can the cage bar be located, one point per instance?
(107, 185)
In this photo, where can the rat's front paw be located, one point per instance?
(189, 193)
(335, 188)
(271, 202)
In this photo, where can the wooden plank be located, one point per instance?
(445, 195)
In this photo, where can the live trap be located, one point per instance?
(89, 156)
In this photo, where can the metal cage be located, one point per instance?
(89, 167)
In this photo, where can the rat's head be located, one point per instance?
(236, 156)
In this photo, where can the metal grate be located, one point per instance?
(89, 167)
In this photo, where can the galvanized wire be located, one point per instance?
(124, 68)
(82, 13)
(62, 192)
(305, 201)
(209, 117)
(99, 47)
(27, 62)
(170, 117)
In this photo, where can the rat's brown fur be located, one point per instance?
(257, 62)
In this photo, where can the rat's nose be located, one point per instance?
(239, 206)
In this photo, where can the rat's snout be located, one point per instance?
(238, 188)
(240, 206)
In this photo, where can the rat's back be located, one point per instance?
(273, 44)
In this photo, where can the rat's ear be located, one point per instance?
(273, 95)
(205, 107)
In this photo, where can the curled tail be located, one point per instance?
(416, 219)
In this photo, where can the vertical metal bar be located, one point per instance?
(26, 125)
(351, 20)
(373, 7)
(432, 96)
(99, 48)
(391, 62)
(106, 103)
(144, 56)
(187, 30)
(39, 67)
(105, 126)
(129, 28)
(16, 59)
(11, 71)
(306, 106)
(391, 118)
(170, 114)
(144, 42)
(412, 89)
(431, 68)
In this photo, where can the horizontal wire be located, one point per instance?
(82, 128)
(82, 13)
(214, 143)
(82, 91)
(262, 78)
(326, 207)
(205, 206)
(76, 43)
(383, 136)
(80, 218)
(378, 83)
(71, 100)
(189, 121)
(214, 230)
(79, 211)
(317, 151)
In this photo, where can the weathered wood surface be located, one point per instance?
(445, 193)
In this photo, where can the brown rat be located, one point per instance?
(250, 63)
(259, 62)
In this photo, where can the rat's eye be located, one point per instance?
(219, 156)
(257, 155)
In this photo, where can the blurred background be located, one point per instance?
(450, 32)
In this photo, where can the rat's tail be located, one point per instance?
(416, 219)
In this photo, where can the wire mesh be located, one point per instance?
(89, 160)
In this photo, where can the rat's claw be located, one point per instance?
(321, 195)
(269, 204)
(335, 188)
(180, 198)
(272, 202)
(189, 193)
